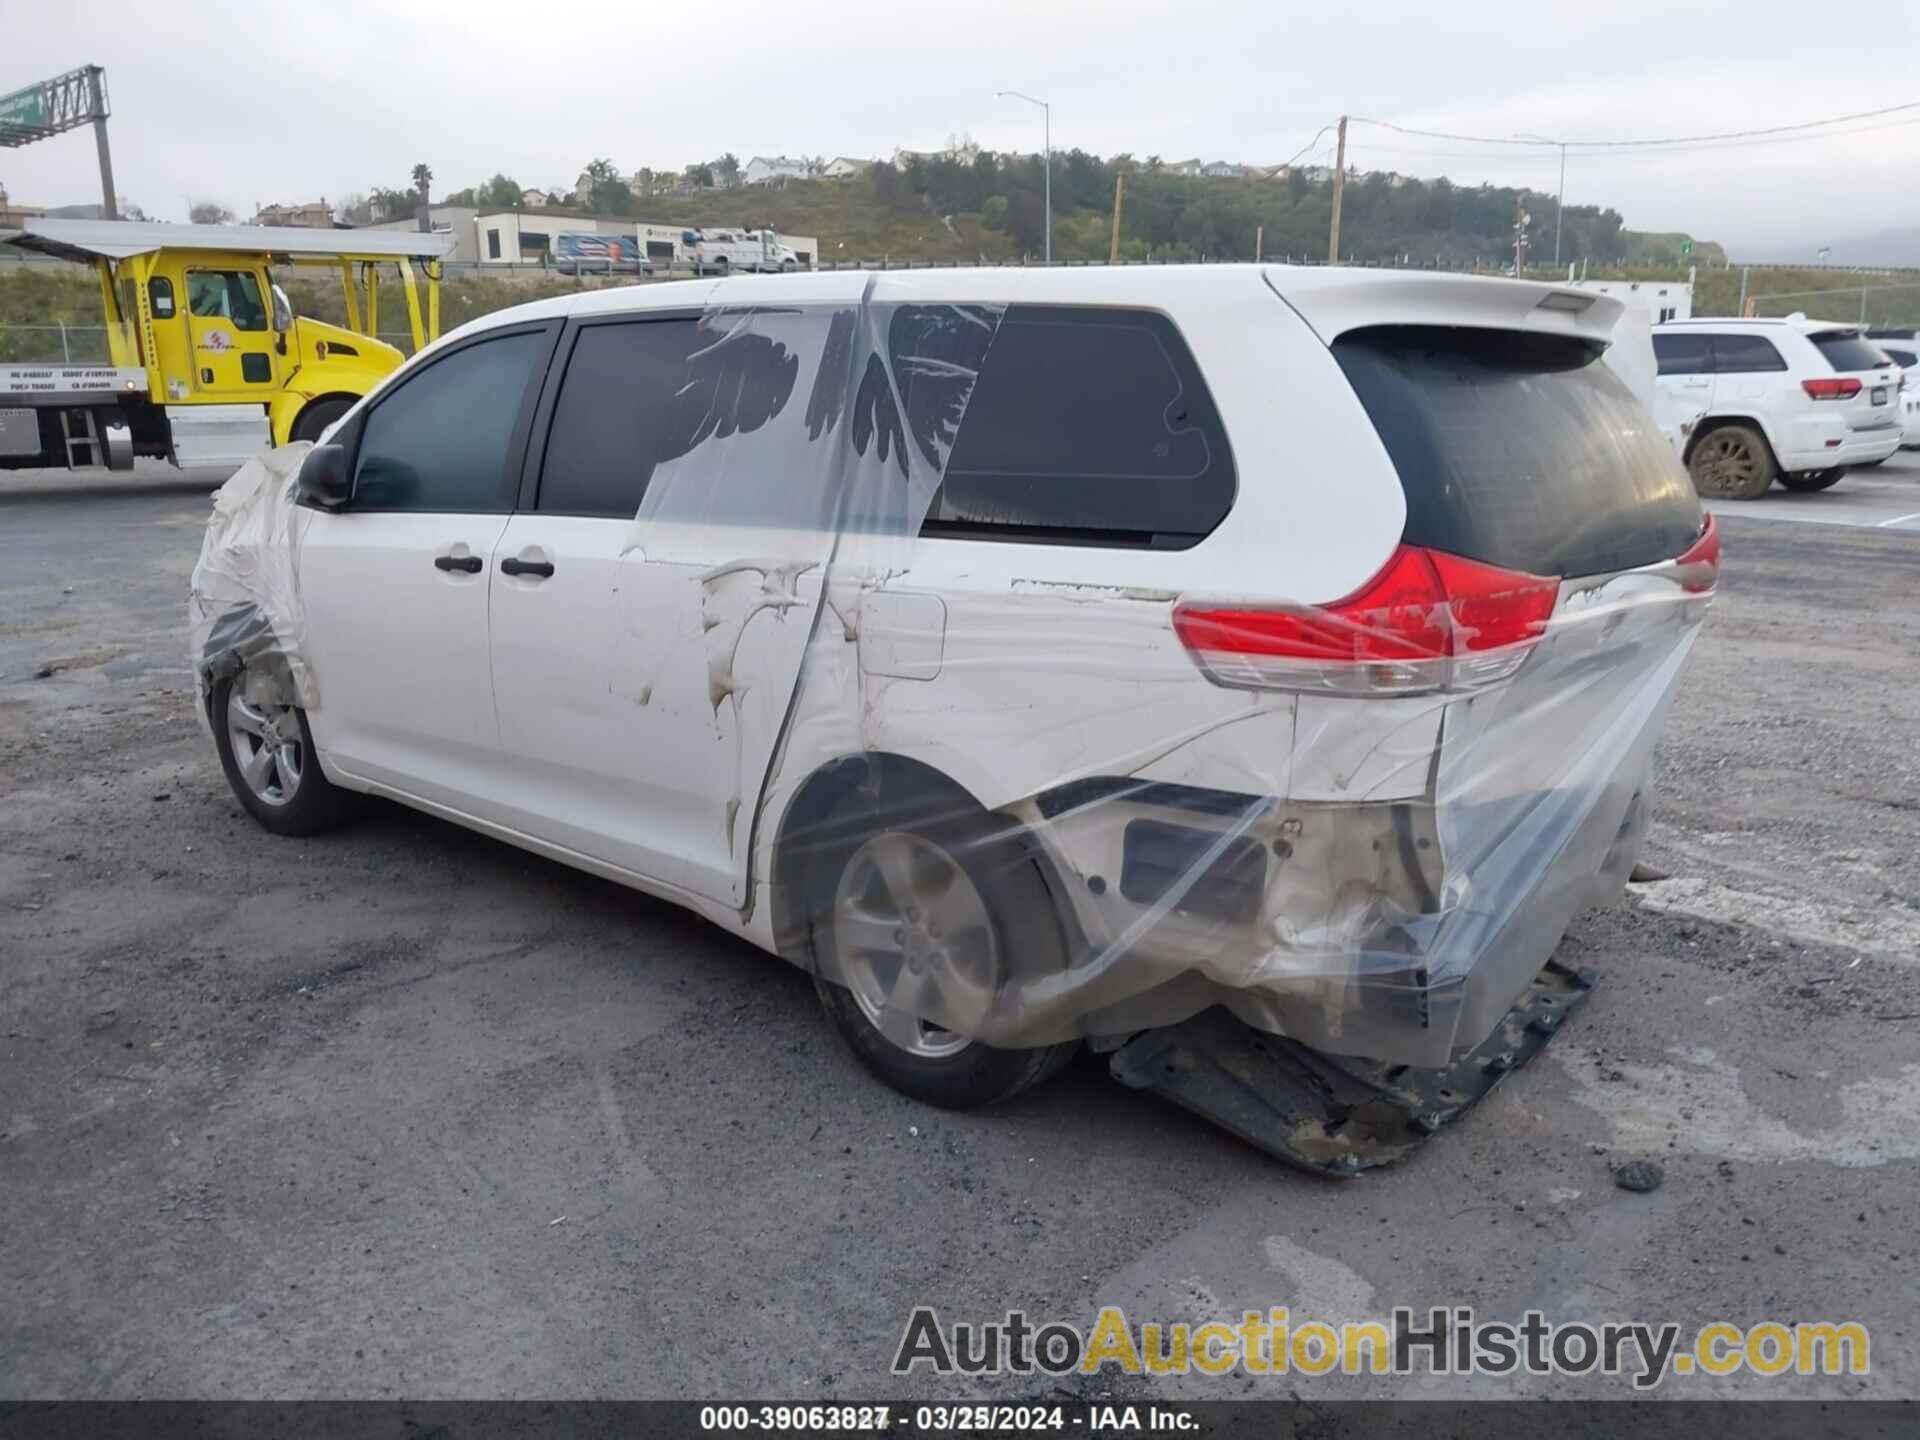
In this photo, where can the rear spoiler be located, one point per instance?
(1335, 299)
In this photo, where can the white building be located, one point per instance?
(1660, 300)
(763, 168)
(845, 167)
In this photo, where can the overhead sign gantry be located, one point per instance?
(53, 107)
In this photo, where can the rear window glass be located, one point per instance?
(1088, 426)
(1846, 350)
(1520, 450)
(1900, 357)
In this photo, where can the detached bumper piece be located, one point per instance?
(1335, 1115)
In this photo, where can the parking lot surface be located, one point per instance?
(404, 1111)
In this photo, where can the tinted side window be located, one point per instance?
(1683, 354)
(1744, 354)
(1087, 426)
(613, 417)
(1904, 358)
(440, 441)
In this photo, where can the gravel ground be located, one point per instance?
(403, 1111)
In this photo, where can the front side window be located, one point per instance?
(230, 295)
(441, 442)
(1745, 354)
(1087, 426)
(1683, 354)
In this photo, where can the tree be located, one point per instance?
(390, 204)
(700, 175)
(607, 193)
(130, 211)
(502, 192)
(209, 212)
(644, 180)
(355, 209)
(727, 170)
(422, 185)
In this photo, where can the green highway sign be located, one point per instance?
(26, 108)
(1686, 247)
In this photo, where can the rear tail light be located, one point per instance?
(1428, 621)
(1837, 387)
(1700, 564)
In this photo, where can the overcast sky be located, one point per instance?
(246, 103)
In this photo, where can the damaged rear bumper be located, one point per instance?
(1326, 1114)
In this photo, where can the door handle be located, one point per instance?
(539, 569)
(469, 563)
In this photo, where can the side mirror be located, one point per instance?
(282, 310)
(325, 482)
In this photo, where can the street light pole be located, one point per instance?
(1046, 111)
(1560, 200)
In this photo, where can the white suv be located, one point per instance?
(1791, 399)
(1031, 655)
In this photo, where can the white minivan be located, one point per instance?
(1034, 656)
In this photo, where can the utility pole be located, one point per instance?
(1339, 183)
(1259, 242)
(1560, 205)
(112, 210)
(1119, 198)
(1520, 218)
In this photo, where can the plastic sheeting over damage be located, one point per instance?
(1024, 813)
(244, 607)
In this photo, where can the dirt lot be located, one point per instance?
(402, 1111)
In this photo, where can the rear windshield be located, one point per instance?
(1903, 358)
(1520, 450)
(1846, 351)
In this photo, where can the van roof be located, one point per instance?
(1331, 299)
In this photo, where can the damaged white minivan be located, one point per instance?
(1246, 671)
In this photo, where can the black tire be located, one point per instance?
(317, 416)
(312, 803)
(1806, 480)
(1732, 462)
(1025, 928)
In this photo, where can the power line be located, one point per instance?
(1676, 149)
(1766, 131)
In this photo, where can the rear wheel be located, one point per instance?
(317, 416)
(1732, 462)
(266, 751)
(1815, 479)
(929, 917)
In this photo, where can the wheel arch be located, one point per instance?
(348, 397)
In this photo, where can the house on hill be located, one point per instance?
(764, 168)
(846, 167)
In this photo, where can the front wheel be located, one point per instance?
(267, 753)
(1732, 462)
(927, 919)
(1807, 480)
(314, 420)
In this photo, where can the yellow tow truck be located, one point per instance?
(208, 364)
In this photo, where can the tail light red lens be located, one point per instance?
(1700, 564)
(1836, 387)
(1427, 621)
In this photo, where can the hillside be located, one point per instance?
(983, 206)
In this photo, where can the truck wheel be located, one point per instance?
(1814, 479)
(1732, 462)
(933, 905)
(316, 417)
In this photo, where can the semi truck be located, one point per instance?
(206, 362)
